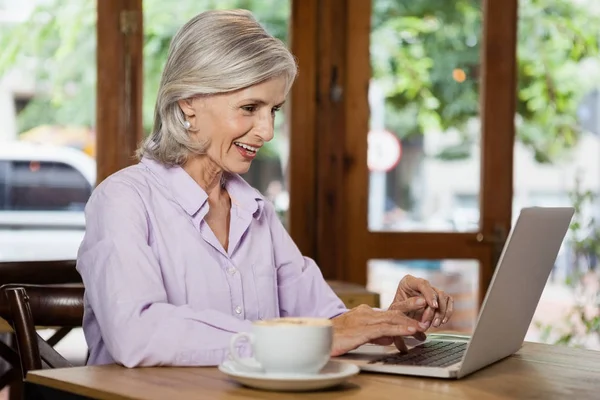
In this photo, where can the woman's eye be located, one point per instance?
(275, 109)
(249, 108)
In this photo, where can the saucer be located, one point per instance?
(333, 374)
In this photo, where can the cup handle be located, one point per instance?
(233, 351)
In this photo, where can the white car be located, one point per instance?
(43, 192)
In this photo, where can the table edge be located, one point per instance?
(39, 379)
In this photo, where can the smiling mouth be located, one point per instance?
(246, 147)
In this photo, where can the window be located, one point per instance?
(42, 186)
(3, 185)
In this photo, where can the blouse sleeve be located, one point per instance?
(302, 289)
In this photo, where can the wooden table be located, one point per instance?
(537, 371)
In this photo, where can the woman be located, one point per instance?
(180, 252)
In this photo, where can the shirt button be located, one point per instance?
(231, 270)
(238, 310)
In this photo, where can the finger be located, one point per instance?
(428, 315)
(396, 317)
(345, 342)
(383, 341)
(375, 332)
(437, 319)
(439, 315)
(402, 286)
(441, 311)
(416, 315)
(449, 310)
(425, 288)
(413, 304)
(400, 345)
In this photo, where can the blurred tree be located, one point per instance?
(58, 45)
(426, 52)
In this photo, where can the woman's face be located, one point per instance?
(236, 125)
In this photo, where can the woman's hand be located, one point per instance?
(363, 325)
(440, 305)
(437, 312)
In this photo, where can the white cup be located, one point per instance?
(286, 345)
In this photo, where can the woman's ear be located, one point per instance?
(187, 106)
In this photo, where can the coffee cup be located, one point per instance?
(286, 345)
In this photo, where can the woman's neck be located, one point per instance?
(206, 174)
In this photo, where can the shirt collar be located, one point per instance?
(191, 197)
(244, 196)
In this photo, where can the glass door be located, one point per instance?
(432, 146)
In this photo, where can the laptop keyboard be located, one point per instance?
(436, 353)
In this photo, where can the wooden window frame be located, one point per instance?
(333, 229)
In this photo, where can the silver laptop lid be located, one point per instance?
(523, 269)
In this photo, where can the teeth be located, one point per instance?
(245, 146)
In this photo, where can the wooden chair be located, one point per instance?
(39, 305)
(38, 273)
(29, 272)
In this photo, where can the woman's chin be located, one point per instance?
(239, 168)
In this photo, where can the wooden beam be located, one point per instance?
(331, 128)
(423, 246)
(498, 107)
(302, 122)
(358, 33)
(119, 84)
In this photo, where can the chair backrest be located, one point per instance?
(39, 272)
(41, 305)
(24, 273)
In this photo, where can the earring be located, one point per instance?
(187, 124)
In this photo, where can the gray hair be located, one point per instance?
(215, 52)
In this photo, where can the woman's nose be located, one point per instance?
(265, 129)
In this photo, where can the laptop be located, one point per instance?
(523, 269)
